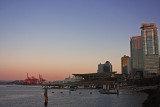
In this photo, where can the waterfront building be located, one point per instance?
(129, 67)
(69, 79)
(150, 47)
(66, 80)
(136, 56)
(124, 64)
(96, 76)
(98, 80)
(106, 67)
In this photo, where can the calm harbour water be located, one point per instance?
(33, 96)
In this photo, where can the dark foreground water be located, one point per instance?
(33, 96)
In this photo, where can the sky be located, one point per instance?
(58, 38)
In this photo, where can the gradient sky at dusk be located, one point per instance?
(56, 38)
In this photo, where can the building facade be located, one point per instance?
(129, 67)
(150, 49)
(107, 67)
(124, 64)
(136, 56)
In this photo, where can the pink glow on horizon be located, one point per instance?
(49, 71)
(15, 66)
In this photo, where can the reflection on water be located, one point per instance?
(32, 96)
(10, 97)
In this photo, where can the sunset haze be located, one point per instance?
(58, 38)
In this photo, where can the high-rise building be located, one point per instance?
(107, 67)
(136, 56)
(124, 64)
(129, 67)
(150, 49)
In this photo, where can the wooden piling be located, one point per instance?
(46, 95)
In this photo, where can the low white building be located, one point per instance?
(69, 79)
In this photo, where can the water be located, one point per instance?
(33, 96)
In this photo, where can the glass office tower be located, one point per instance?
(124, 64)
(150, 49)
(136, 56)
(106, 67)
